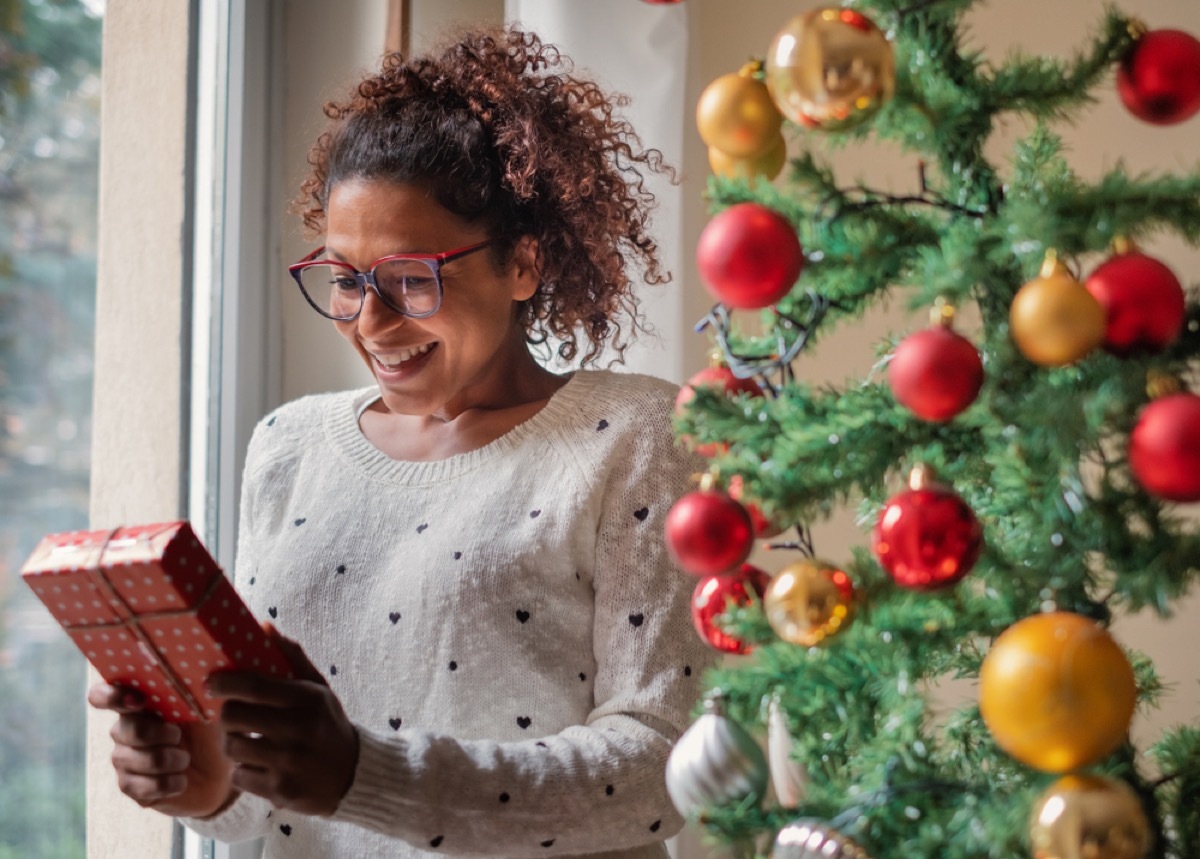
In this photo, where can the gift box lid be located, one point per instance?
(90, 578)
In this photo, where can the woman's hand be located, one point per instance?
(291, 741)
(176, 769)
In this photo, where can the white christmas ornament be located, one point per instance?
(714, 763)
(789, 777)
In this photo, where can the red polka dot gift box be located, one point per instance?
(150, 609)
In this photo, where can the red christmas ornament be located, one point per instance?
(721, 378)
(764, 528)
(707, 532)
(927, 537)
(749, 256)
(1159, 81)
(1143, 302)
(936, 373)
(712, 598)
(1164, 447)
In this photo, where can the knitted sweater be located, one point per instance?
(504, 626)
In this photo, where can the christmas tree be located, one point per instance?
(1019, 477)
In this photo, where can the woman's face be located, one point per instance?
(464, 355)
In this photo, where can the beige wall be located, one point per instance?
(327, 46)
(138, 426)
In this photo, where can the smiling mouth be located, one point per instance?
(398, 360)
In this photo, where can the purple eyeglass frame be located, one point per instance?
(366, 279)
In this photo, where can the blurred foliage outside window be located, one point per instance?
(49, 159)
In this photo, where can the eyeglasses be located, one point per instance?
(409, 284)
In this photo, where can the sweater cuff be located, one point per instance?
(245, 819)
(383, 766)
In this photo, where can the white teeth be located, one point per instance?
(400, 357)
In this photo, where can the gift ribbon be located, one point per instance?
(132, 622)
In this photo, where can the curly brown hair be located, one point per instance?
(501, 131)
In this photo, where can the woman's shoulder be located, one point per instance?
(289, 428)
(623, 427)
(616, 413)
(307, 412)
(629, 393)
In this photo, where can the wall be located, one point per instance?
(327, 46)
(139, 423)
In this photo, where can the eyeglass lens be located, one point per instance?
(406, 286)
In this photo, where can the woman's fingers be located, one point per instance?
(119, 699)
(152, 761)
(296, 657)
(258, 781)
(178, 770)
(282, 722)
(148, 775)
(148, 791)
(142, 730)
(250, 750)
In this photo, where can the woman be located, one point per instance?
(493, 653)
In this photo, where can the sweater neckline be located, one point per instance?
(346, 437)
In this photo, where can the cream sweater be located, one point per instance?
(504, 627)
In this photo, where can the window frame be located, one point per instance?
(235, 362)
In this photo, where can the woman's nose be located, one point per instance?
(375, 315)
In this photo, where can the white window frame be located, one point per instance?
(235, 342)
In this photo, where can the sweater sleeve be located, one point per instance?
(599, 786)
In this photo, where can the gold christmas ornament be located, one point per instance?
(1089, 817)
(736, 115)
(769, 164)
(1057, 692)
(808, 601)
(1054, 320)
(830, 69)
(809, 838)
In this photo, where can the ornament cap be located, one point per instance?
(942, 313)
(922, 476)
(714, 702)
(1160, 383)
(752, 68)
(1123, 245)
(1052, 265)
(1136, 28)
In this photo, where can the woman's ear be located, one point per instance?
(525, 269)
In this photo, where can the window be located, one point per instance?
(49, 151)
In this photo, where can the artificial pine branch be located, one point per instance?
(1050, 88)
